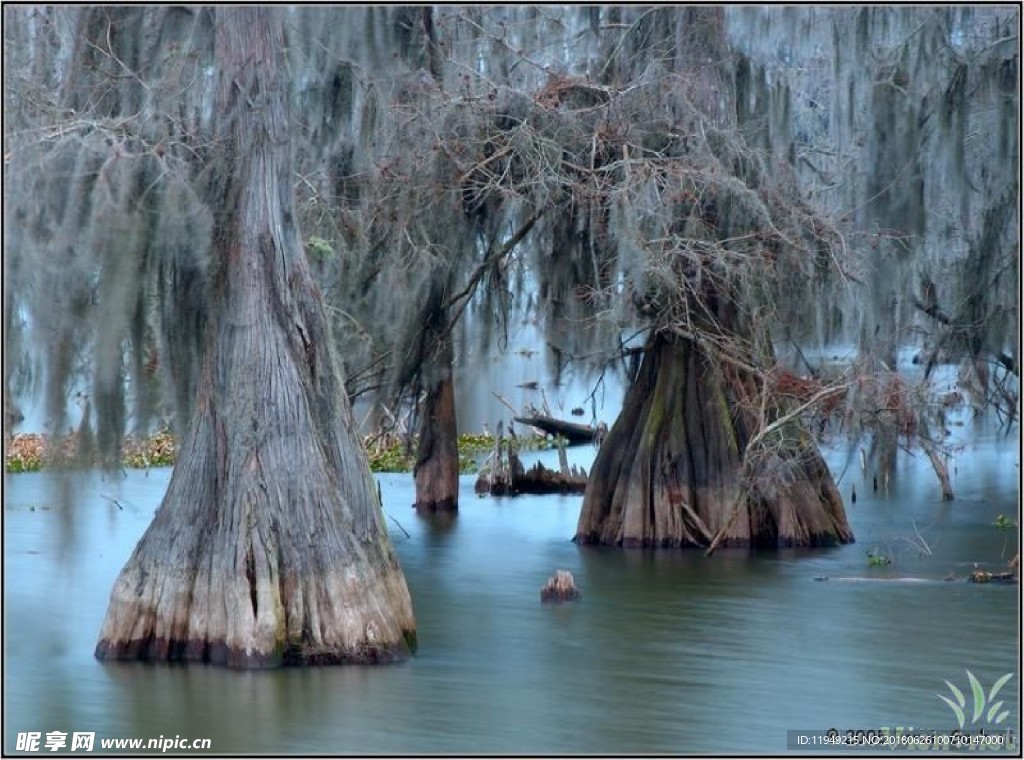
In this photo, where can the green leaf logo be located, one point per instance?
(958, 706)
(958, 703)
(979, 696)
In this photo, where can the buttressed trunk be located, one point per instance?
(437, 462)
(269, 547)
(669, 473)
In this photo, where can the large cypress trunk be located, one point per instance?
(437, 463)
(269, 547)
(671, 471)
(695, 459)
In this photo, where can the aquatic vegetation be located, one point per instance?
(1002, 522)
(878, 559)
(31, 452)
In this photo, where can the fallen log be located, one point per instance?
(573, 432)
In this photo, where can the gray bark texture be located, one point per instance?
(269, 547)
(671, 472)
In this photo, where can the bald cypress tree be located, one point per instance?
(707, 451)
(167, 202)
(270, 534)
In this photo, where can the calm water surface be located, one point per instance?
(667, 652)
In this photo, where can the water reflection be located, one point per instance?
(437, 525)
(666, 652)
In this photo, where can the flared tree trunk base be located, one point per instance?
(670, 473)
(269, 547)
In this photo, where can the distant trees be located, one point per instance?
(906, 121)
(943, 202)
(108, 240)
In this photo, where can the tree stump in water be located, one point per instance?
(984, 576)
(504, 474)
(560, 588)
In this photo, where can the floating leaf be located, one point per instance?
(1002, 716)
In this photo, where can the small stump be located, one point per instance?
(560, 588)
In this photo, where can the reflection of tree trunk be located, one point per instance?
(269, 547)
(669, 472)
(437, 462)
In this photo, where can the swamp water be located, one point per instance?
(666, 652)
